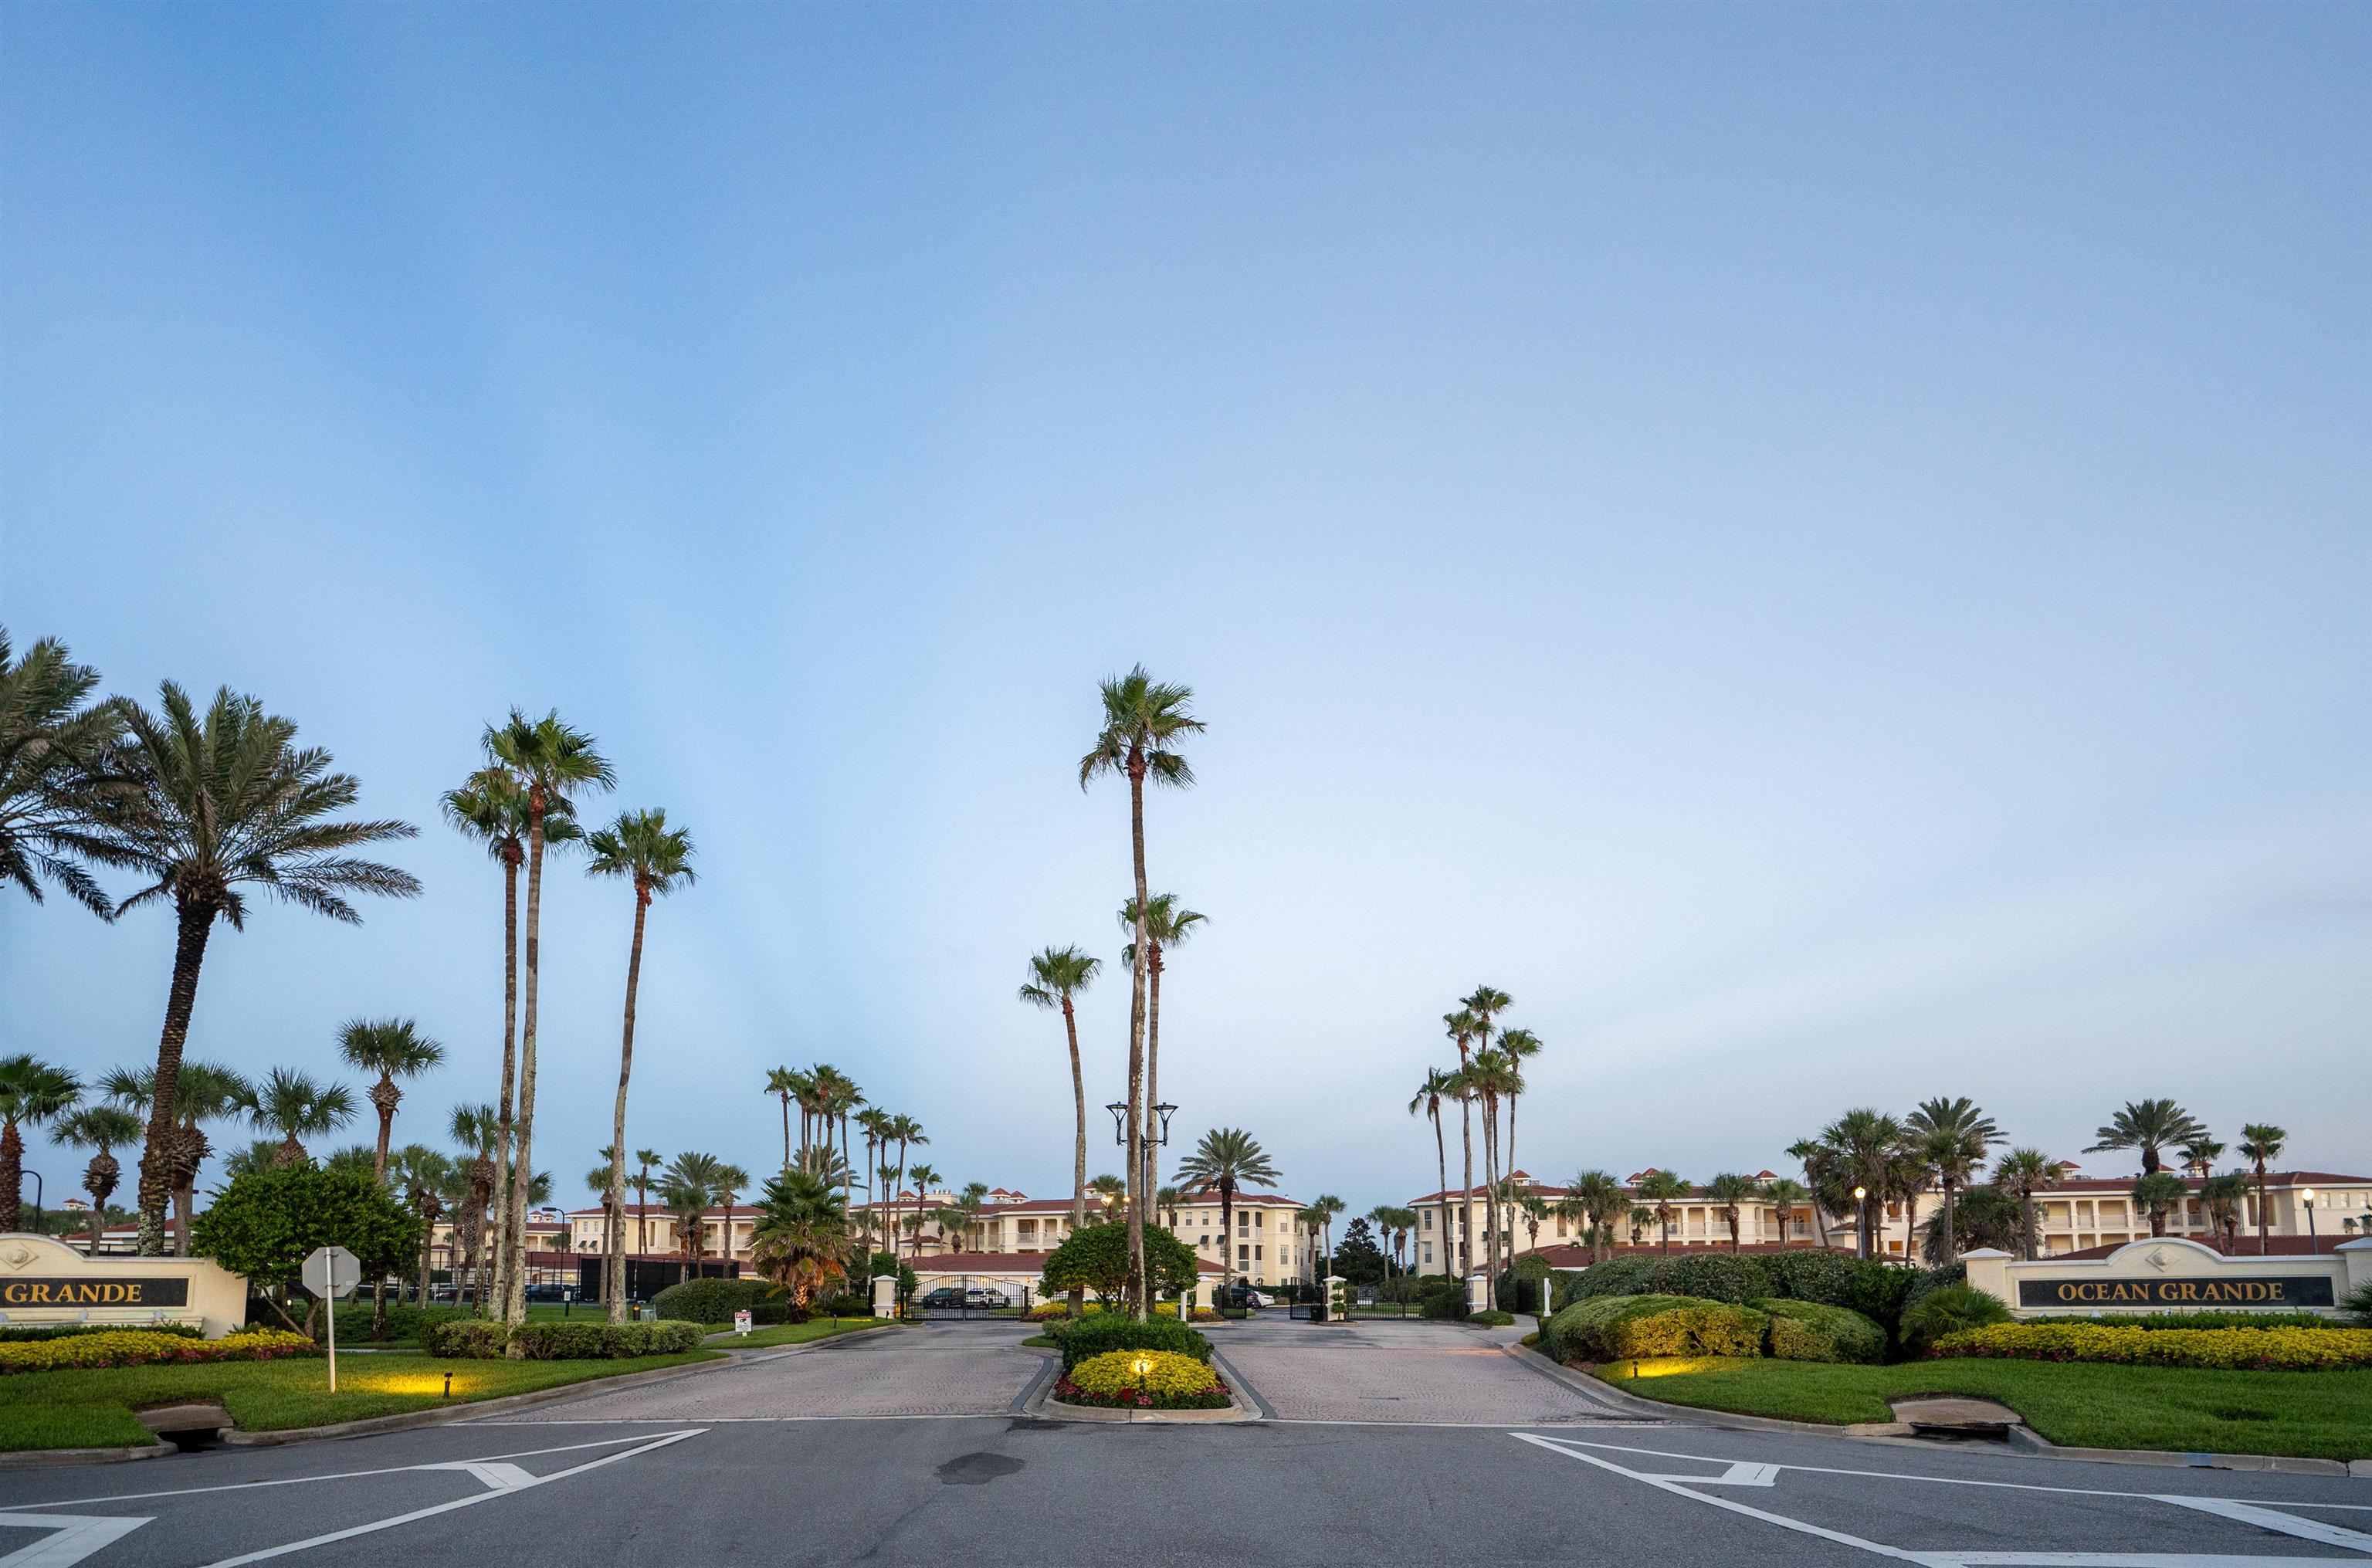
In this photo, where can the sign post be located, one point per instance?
(741, 1322)
(332, 1272)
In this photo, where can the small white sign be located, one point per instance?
(332, 1271)
(741, 1321)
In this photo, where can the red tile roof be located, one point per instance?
(2277, 1246)
(997, 1264)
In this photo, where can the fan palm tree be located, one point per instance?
(31, 1092)
(2022, 1173)
(801, 1237)
(1821, 1179)
(1953, 1135)
(289, 1103)
(1462, 1026)
(2157, 1192)
(2200, 1152)
(904, 1131)
(206, 1093)
(841, 1098)
(1168, 924)
(55, 778)
(1602, 1202)
(1730, 1194)
(2221, 1195)
(1228, 1160)
(1662, 1189)
(1057, 975)
(2148, 1125)
(693, 1181)
(548, 761)
(219, 805)
(392, 1048)
(1785, 1195)
(1380, 1216)
(475, 1128)
(1518, 1046)
(424, 1174)
(655, 860)
(1438, 1086)
(1144, 720)
(1867, 1146)
(492, 808)
(105, 1127)
(785, 1084)
(2261, 1145)
(1483, 1006)
(1497, 1080)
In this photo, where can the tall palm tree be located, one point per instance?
(2261, 1145)
(1438, 1086)
(693, 1181)
(293, 1104)
(731, 1182)
(906, 1132)
(1518, 1046)
(646, 1161)
(871, 1121)
(1820, 1177)
(840, 1098)
(1602, 1202)
(1493, 1078)
(2148, 1125)
(1144, 720)
(1953, 1137)
(655, 860)
(1662, 1189)
(105, 1127)
(1483, 1005)
(548, 761)
(205, 1092)
(785, 1084)
(1326, 1206)
(1380, 1216)
(1732, 1191)
(221, 803)
(55, 777)
(1168, 924)
(1462, 1026)
(2200, 1152)
(392, 1048)
(31, 1092)
(2022, 1173)
(1786, 1195)
(1867, 1146)
(2221, 1195)
(1227, 1159)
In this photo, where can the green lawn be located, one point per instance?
(2316, 1415)
(84, 1408)
(801, 1333)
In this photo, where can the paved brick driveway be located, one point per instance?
(936, 1369)
(1399, 1372)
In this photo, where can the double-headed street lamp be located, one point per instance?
(1119, 1110)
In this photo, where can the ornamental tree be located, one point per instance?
(266, 1223)
(1096, 1257)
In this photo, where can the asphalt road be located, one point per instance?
(806, 1457)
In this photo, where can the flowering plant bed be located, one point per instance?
(134, 1347)
(1146, 1380)
(2252, 1350)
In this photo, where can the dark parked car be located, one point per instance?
(1241, 1294)
(946, 1296)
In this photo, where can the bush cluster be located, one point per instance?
(2208, 1321)
(1878, 1291)
(1490, 1319)
(16, 1334)
(1108, 1332)
(846, 1304)
(1170, 1381)
(2254, 1350)
(1618, 1328)
(1444, 1297)
(715, 1301)
(1812, 1331)
(1948, 1310)
(138, 1347)
(479, 1339)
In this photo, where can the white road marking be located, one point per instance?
(2111, 1559)
(76, 1537)
(499, 1478)
(2274, 1520)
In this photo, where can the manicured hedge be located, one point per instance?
(1169, 1381)
(1949, 1311)
(1811, 1330)
(715, 1301)
(1877, 1290)
(1108, 1332)
(1713, 1276)
(19, 1333)
(2207, 1321)
(465, 1339)
(2254, 1350)
(1490, 1319)
(137, 1347)
(479, 1338)
(1618, 1327)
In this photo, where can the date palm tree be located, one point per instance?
(2261, 1145)
(105, 1127)
(391, 1048)
(2157, 1192)
(655, 860)
(2148, 1125)
(801, 1238)
(219, 805)
(1168, 924)
(1438, 1086)
(55, 778)
(1602, 1203)
(293, 1104)
(1228, 1160)
(2022, 1173)
(547, 760)
(1865, 1146)
(32, 1092)
(1661, 1188)
(1144, 720)
(1953, 1137)
(1785, 1195)
(1730, 1194)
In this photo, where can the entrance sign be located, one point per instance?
(331, 1273)
(2237, 1290)
(44, 1281)
(145, 1291)
(2171, 1273)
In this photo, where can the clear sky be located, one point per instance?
(1824, 550)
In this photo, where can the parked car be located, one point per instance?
(1241, 1294)
(982, 1296)
(945, 1295)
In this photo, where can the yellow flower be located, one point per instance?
(1163, 1372)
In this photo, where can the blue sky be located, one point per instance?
(1824, 550)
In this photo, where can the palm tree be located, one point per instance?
(1380, 1216)
(1493, 1078)
(221, 803)
(2022, 1173)
(2155, 1192)
(1462, 1026)
(1786, 1195)
(1602, 1202)
(1661, 1188)
(1438, 1086)
(1867, 1146)
(1953, 1135)
(55, 781)
(785, 1084)
(425, 1174)
(654, 859)
(392, 1048)
(1144, 720)
(692, 1183)
(1227, 1158)
(206, 1093)
(475, 1128)
(904, 1131)
(2148, 1125)
(1518, 1046)
(31, 1092)
(548, 761)
(1820, 1179)
(1535, 1210)
(289, 1103)
(1730, 1191)
(801, 1239)
(1483, 1005)
(2261, 1145)
(1168, 924)
(2221, 1195)
(646, 1161)
(105, 1127)
(1326, 1206)
(1057, 975)
(2200, 1152)
(841, 1098)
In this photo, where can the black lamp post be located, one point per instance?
(41, 1191)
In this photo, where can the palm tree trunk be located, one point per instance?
(1441, 1166)
(1491, 1193)
(1079, 1099)
(614, 1201)
(1227, 1229)
(1137, 1196)
(12, 1178)
(194, 923)
(1466, 1191)
(1951, 1236)
(1152, 1068)
(2262, 1230)
(503, 1109)
(522, 1170)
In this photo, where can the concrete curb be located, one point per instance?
(44, 1458)
(1040, 1404)
(437, 1416)
(2024, 1440)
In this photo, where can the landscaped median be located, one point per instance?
(1112, 1363)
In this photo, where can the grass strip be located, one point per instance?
(801, 1333)
(94, 1409)
(2311, 1414)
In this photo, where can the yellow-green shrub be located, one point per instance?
(134, 1347)
(1619, 1328)
(1166, 1374)
(2266, 1350)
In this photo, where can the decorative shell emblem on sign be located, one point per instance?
(2157, 1259)
(17, 1255)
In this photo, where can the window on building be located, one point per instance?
(1428, 1251)
(1243, 1253)
(1256, 1252)
(1428, 1219)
